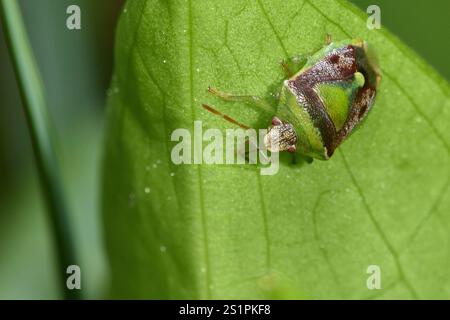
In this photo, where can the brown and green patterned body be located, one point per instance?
(331, 94)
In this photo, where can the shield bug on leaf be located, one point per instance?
(321, 103)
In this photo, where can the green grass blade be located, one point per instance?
(313, 230)
(36, 111)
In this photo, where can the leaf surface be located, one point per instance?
(310, 231)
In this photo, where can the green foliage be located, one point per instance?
(42, 136)
(310, 231)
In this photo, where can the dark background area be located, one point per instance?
(76, 68)
(422, 25)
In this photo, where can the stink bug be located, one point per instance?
(330, 92)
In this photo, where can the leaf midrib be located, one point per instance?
(199, 169)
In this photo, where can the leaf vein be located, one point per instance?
(227, 46)
(199, 169)
(378, 227)
(427, 217)
(318, 239)
(134, 39)
(277, 36)
(436, 132)
(166, 134)
(265, 222)
(328, 19)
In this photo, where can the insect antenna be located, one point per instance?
(224, 116)
(229, 119)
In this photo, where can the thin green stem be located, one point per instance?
(36, 111)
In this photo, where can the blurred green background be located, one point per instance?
(76, 67)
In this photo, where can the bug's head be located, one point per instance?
(280, 136)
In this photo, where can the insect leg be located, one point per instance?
(292, 65)
(224, 116)
(294, 159)
(249, 99)
(244, 151)
(248, 147)
(298, 161)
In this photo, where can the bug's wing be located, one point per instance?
(360, 108)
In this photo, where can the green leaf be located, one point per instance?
(310, 231)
